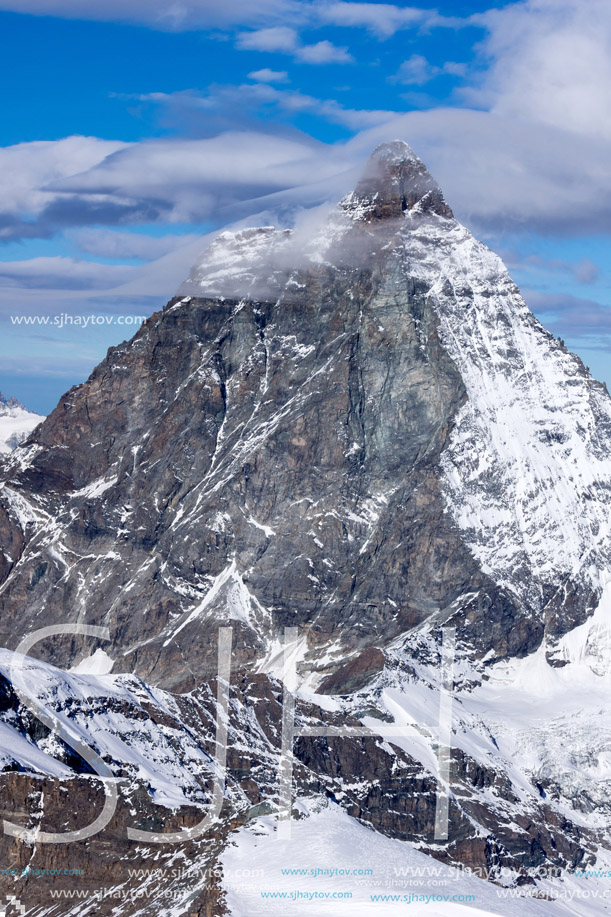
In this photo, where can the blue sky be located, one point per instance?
(133, 129)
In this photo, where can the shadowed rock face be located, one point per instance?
(321, 433)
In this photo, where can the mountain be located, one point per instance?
(362, 433)
(16, 423)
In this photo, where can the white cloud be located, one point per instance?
(284, 40)
(279, 38)
(384, 19)
(61, 273)
(121, 246)
(53, 285)
(159, 14)
(573, 317)
(496, 175)
(27, 170)
(56, 185)
(541, 157)
(231, 100)
(187, 179)
(538, 156)
(550, 63)
(497, 172)
(417, 70)
(323, 52)
(268, 76)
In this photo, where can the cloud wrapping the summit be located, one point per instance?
(494, 173)
(517, 131)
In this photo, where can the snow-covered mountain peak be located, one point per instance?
(527, 468)
(9, 402)
(257, 260)
(396, 181)
(526, 471)
(395, 151)
(16, 423)
(239, 263)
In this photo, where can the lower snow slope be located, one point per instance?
(333, 865)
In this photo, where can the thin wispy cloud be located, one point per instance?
(61, 273)
(158, 14)
(285, 40)
(265, 75)
(28, 169)
(278, 38)
(417, 70)
(572, 316)
(584, 271)
(494, 172)
(549, 62)
(382, 19)
(121, 246)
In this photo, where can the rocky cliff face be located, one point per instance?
(364, 434)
